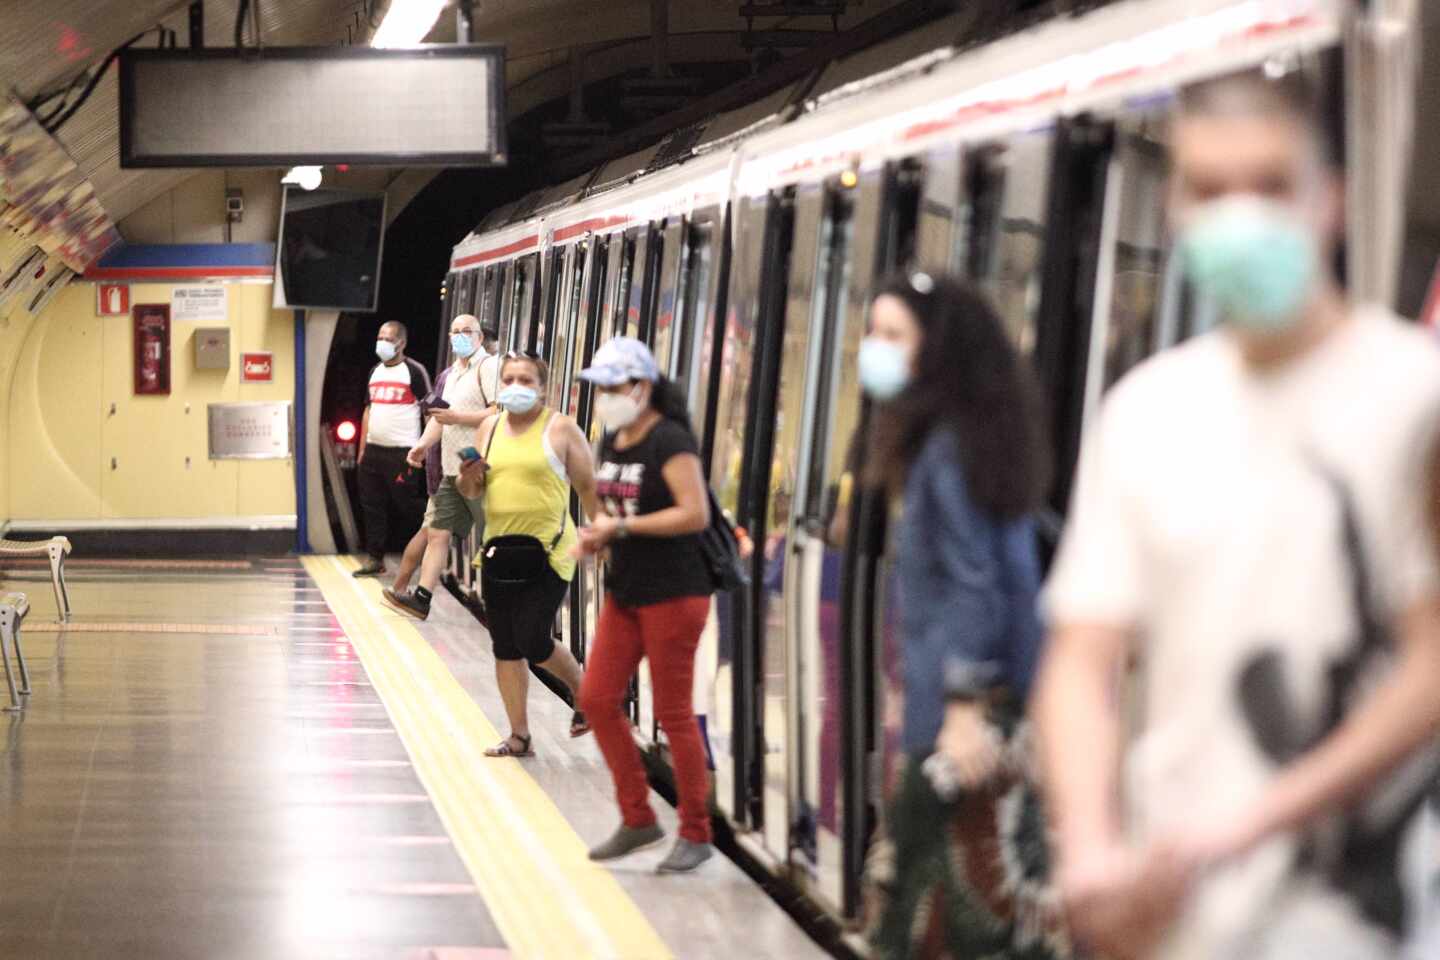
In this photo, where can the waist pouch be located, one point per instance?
(514, 560)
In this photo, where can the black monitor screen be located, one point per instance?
(328, 257)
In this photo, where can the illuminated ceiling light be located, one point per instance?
(407, 22)
(307, 178)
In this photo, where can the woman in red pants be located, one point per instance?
(658, 588)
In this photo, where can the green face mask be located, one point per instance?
(1254, 259)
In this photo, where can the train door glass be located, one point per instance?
(828, 455)
(465, 301)
(640, 306)
(780, 675)
(1009, 193)
(667, 312)
(727, 476)
(523, 286)
(699, 293)
(567, 324)
(553, 279)
(940, 230)
(614, 289)
(447, 299)
(504, 303)
(583, 344)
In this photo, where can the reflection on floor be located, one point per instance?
(235, 788)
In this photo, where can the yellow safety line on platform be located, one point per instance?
(546, 898)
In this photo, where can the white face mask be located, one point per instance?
(617, 410)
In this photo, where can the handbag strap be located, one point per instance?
(565, 500)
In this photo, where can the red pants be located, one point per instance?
(668, 634)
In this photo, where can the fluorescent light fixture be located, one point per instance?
(306, 178)
(407, 22)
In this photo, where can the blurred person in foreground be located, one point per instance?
(1247, 532)
(958, 437)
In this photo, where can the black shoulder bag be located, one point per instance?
(721, 550)
(517, 559)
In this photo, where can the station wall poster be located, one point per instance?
(152, 349)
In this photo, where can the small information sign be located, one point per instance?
(198, 305)
(257, 367)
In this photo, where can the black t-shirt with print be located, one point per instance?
(629, 482)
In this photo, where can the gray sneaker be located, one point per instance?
(627, 840)
(685, 856)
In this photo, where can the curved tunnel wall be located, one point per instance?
(83, 451)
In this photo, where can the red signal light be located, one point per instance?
(345, 431)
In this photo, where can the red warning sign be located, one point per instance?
(112, 299)
(257, 367)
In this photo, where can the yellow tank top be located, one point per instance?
(527, 492)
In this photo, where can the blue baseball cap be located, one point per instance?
(620, 360)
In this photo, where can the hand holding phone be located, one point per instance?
(469, 453)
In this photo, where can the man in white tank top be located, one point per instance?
(1248, 527)
(467, 399)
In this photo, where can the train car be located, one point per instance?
(1034, 165)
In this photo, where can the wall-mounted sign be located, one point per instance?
(257, 367)
(152, 348)
(250, 431)
(112, 299)
(198, 304)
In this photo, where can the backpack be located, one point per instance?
(720, 549)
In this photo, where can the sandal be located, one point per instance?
(504, 748)
(579, 726)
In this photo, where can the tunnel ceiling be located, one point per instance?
(47, 43)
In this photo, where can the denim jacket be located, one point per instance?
(968, 584)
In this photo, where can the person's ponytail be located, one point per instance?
(667, 399)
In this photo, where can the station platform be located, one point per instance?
(257, 759)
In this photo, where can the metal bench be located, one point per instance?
(13, 608)
(57, 549)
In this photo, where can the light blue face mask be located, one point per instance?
(884, 368)
(385, 350)
(1254, 259)
(517, 398)
(462, 345)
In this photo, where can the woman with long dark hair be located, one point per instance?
(958, 437)
(658, 588)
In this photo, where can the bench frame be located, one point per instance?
(57, 549)
(13, 609)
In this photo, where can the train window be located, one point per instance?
(623, 263)
(1009, 196)
(504, 301)
(447, 298)
(897, 238)
(465, 292)
(567, 324)
(694, 354)
(940, 226)
(671, 263)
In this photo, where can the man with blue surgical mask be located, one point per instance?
(465, 401)
(1246, 572)
(390, 427)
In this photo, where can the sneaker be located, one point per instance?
(628, 840)
(372, 569)
(407, 602)
(685, 856)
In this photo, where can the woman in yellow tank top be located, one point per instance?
(532, 458)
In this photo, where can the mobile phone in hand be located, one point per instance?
(469, 453)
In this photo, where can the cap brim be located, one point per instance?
(604, 376)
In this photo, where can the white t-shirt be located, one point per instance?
(394, 406)
(463, 393)
(1204, 519)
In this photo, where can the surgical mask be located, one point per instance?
(1255, 259)
(617, 410)
(385, 350)
(517, 398)
(884, 368)
(462, 344)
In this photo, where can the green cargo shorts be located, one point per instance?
(448, 510)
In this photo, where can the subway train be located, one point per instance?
(744, 250)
